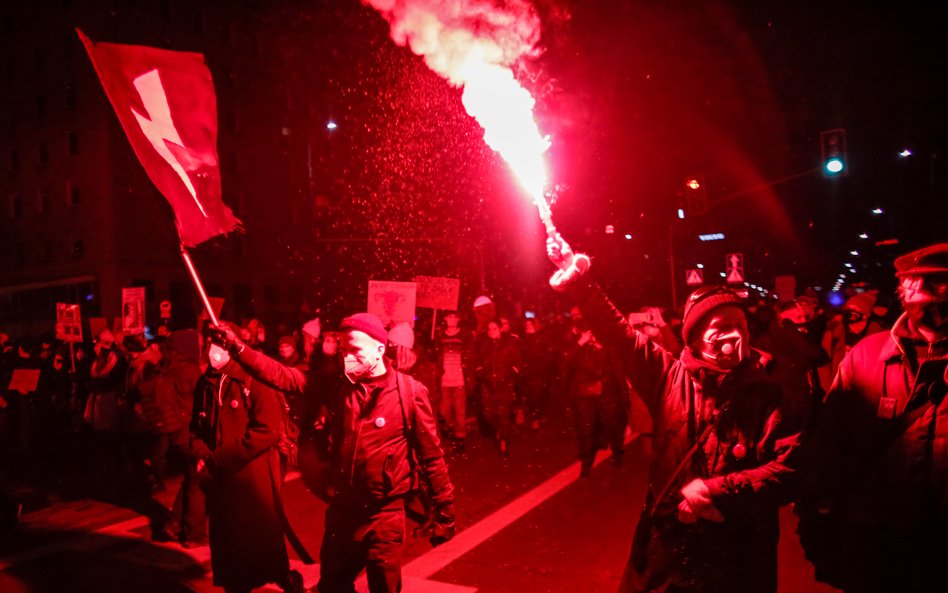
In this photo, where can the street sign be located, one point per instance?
(694, 277)
(734, 267)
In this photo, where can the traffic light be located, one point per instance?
(833, 151)
(696, 196)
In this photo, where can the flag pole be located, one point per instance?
(198, 285)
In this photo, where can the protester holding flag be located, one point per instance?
(235, 429)
(382, 429)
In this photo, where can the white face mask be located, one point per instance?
(217, 356)
(362, 356)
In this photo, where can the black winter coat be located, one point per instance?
(235, 425)
(746, 462)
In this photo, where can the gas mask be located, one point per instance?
(725, 350)
(217, 357)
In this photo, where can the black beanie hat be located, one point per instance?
(703, 301)
(366, 323)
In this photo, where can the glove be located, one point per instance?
(571, 265)
(440, 527)
(224, 336)
(697, 504)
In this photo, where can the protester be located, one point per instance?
(722, 458)
(599, 399)
(843, 331)
(498, 365)
(455, 357)
(236, 427)
(382, 430)
(536, 351)
(874, 514)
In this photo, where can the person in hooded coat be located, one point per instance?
(723, 456)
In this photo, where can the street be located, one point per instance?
(526, 524)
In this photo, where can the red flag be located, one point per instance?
(165, 101)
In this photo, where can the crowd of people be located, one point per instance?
(750, 405)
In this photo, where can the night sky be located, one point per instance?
(639, 96)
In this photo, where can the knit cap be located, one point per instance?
(366, 323)
(402, 335)
(702, 302)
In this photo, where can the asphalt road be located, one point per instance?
(527, 524)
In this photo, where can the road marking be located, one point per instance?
(438, 558)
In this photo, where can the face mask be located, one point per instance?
(358, 367)
(217, 356)
(725, 350)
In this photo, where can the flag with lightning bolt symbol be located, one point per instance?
(166, 104)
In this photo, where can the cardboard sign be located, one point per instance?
(68, 323)
(24, 380)
(97, 325)
(433, 292)
(393, 302)
(133, 311)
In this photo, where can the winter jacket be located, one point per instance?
(167, 397)
(747, 462)
(878, 462)
(498, 364)
(370, 446)
(235, 427)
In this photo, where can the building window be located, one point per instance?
(43, 200)
(41, 105)
(73, 197)
(43, 153)
(16, 205)
(70, 95)
(73, 143)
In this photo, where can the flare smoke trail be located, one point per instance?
(474, 44)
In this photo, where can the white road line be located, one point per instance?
(438, 558)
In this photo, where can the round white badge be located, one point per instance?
(379, 422)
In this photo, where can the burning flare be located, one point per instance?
(474, 44)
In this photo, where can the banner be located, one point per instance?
(133, 311)
(393, 302)
(437, 293)
(68, 323)
(24, 380)
(166, 104)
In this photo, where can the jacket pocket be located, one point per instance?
(388, 474)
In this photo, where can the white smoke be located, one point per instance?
(452, 34)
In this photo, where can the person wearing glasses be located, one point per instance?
(874, 507)
(722, 461)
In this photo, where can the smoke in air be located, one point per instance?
(474, 44)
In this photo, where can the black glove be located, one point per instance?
(442, 525)
(225, 337)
